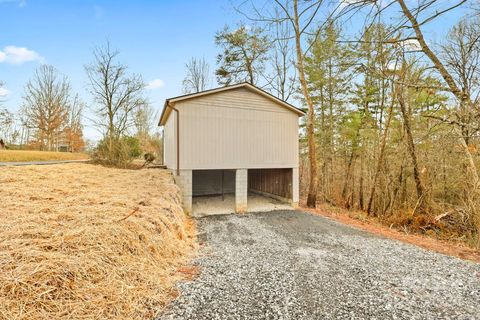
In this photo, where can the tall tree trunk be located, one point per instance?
(355, 143)
(381, 158)
(411, 150)
(321, 134)
(312, 153)
(474, 194)
(429, 53)
(360, 191)
(459, 94)
(353, 155)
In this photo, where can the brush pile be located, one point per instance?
(79, 241)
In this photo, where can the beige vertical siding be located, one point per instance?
(233, 129)
(170, 151)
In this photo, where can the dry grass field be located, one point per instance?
(27, 155)
(80, 241)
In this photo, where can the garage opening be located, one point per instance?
(273, 184)
(213, 192)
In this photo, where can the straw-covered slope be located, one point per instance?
(79, 241)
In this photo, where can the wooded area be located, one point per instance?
(393, 117)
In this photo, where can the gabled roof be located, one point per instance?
(169, 102)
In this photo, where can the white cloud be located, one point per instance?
(394, 65)
(345, 3)
(21, 3)
(18, 55)
(4, 92)
(360, 3)
(411, 44)
(155, 84)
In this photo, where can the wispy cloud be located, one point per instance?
(4, 92)
(18, 55)
(21, 3)
(155, 84)
(359, 3)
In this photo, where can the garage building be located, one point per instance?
(236, 141)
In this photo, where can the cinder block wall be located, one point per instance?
(184, 181)
(241, 190)
(209, 182)
(295, 187)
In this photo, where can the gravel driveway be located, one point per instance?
(294, 265)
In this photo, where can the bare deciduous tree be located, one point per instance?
(117, 95)
(46, 104)
(300, 20)
(198, 76)
(145, 119)
(300, 16)
(461, 54)
(147, 130)
(460, 89)
(281, 81)
(7, 126)
(74, 129)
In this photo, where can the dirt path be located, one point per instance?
(294, 265)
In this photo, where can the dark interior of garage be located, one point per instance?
(271, 182)
(213, 182)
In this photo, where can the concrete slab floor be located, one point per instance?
(214, 205)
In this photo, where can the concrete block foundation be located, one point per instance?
(241, 190)
(295, 188)
(184, 182)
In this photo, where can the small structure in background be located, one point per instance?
(236, 142)
(63, 147)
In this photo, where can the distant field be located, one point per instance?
(25, 156)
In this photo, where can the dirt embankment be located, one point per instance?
(80, 241)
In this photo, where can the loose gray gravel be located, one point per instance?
(294, 265)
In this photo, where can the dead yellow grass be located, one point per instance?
(27, 155)
(80, 241)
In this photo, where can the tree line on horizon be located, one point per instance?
(51, 116)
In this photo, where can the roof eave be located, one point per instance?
(164, 114)
(161, 122)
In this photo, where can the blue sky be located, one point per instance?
(155, 39)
